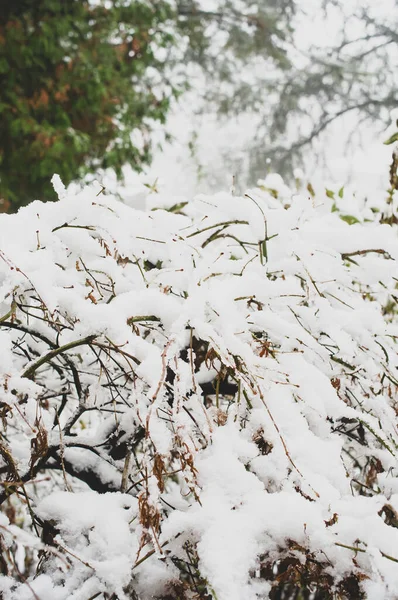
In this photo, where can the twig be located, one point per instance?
(224, 223)
(30, 371)
(140, 318)
(364, 550)
(345, 255)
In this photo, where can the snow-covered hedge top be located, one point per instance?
(198, 402)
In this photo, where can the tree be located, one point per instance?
(354, 73)
(77, 79)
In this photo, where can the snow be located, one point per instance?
(144, 467)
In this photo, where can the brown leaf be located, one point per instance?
(39, 444)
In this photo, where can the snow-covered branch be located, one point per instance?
(201, 403)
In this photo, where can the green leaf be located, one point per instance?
(392, 139)
(310, 189)
(350, 219)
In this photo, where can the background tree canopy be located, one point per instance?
(83, 82)
(76, 80)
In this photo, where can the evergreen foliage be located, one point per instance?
(76, 79)
(82, 82)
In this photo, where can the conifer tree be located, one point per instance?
(76, 79)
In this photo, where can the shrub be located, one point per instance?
(199, 401)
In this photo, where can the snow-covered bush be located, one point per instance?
(199, 401)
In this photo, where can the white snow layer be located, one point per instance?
(273, 293)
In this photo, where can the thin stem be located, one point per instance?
(140, 318)
(30, 371)
(355, 549)
(236, 222)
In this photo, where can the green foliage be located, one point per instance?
(78, 77)
(394, 138)
(74, 84)
(350, 219)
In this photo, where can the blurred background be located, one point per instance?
(194, 95)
